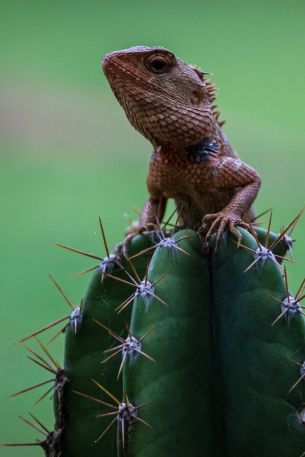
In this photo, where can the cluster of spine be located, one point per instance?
(178, 350)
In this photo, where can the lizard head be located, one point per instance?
(168, 101)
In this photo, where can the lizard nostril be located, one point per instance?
(105, 62)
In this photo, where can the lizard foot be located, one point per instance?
(219, 222)
(122, 248)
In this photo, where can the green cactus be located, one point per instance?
(202, 354)
(221, 383)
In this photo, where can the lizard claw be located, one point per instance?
(219, 222)
(122, 248)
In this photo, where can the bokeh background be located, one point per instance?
(69, 155)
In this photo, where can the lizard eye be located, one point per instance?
(157, 64)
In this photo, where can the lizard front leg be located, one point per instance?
(232, 174)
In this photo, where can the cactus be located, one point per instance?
(178, 350)
(224, 377)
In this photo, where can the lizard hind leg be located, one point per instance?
(151, 216)
(131, 233)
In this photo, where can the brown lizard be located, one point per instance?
(171, 104)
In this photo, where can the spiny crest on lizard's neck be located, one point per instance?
(168, 101)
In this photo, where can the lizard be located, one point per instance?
(171, 104)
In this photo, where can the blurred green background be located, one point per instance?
(69, 155)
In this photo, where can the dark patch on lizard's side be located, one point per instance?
(202, 150)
